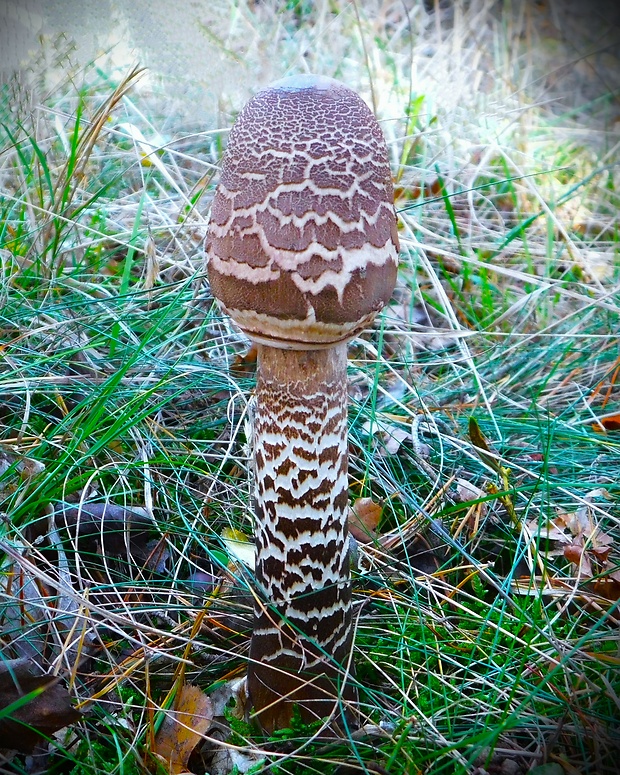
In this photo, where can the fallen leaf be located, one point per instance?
(607, 587)
(600, 545)
(364, 518)
(26, 468)
(415, 190)
(481, 445)
(32, 705)
(394, 437)
(578, 522)
(575, 553)
(183, 728)
(555, 530)
(231, 699)
(244, 364)
(608, 423)
(240, 546)
(115, 529)
(586, 545)
(24, 613)
(390, 436)
(466, 491)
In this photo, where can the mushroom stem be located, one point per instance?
(302, 632)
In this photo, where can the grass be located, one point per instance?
(484, 406)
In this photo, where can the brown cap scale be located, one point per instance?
(302, 249)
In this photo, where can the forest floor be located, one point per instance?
(484, 453)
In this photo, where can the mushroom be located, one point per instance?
(302, 253)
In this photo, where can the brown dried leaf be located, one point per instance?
(394, 437)
(105, 527)
(467, 491)
(611, 423)
(575, 553)
(364, 518)
(481, 445)
(607, 587)
(244, 364)
(183, 729)
(578, 522)
(46, 712)
(600, 545)
(550, 531)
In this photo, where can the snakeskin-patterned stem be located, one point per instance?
(302, 633)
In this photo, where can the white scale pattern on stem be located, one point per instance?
(301, 479)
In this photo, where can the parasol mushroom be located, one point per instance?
(302, 253)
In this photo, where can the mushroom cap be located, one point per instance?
(302, 243)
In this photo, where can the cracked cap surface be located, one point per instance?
(302, 243)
